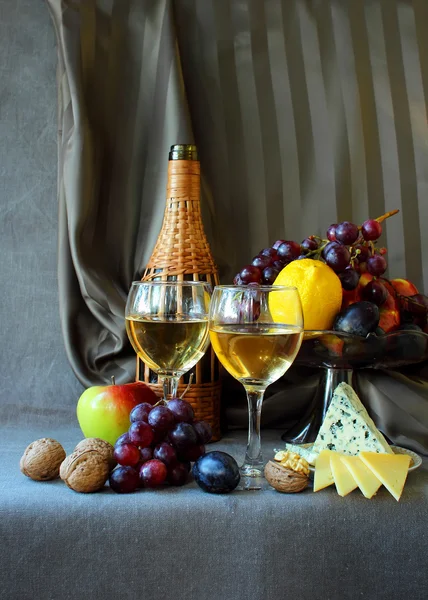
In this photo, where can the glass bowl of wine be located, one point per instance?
(256, 333)
(167, 325)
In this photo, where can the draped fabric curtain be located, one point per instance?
(305, 112)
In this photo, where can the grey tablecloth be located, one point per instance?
(181, 543)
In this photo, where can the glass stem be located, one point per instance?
(170, 386)
(253, 456)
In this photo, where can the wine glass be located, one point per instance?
(256, 332)
(167, 324)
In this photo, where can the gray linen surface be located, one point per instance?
(184, 544)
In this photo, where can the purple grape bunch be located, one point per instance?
(348, 249)
(161, 443)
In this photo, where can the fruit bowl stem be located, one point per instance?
(306, 429)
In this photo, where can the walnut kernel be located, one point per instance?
(292, 461)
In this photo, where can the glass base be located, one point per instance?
(252, 479)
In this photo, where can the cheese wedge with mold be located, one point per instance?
(390, 470)
(364, 477)
(323, 476)
(348, 427)
(343, 478)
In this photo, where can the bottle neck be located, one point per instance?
(184, 180)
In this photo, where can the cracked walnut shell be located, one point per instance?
(103, 447)
(284, 479)
(42, 459)
(85, 471)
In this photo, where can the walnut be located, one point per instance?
(103, 447)
(284, 479)
(42, 459)
(85, 471)
(292, 461)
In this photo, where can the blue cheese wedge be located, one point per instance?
(347, 426)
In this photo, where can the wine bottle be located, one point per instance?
(182, 252)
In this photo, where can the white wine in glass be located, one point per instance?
(167, 325)
(256, 333)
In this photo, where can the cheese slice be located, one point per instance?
(323, 476)
(364, 477)
(343, 479)
(347, 426)
(391, 470)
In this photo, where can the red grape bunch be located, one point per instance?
(159, 446)
(348, 249)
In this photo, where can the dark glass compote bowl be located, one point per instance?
(340, 355)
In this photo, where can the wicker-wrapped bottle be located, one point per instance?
(182, 253)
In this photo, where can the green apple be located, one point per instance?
(103, 410)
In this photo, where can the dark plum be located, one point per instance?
(216, 472)
(360, 318)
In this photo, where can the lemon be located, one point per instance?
(320, 292)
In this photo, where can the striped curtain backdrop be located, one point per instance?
(305, 112)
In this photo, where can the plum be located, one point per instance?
(360, 318)
(216, 472)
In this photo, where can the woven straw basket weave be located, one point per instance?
(182, 253)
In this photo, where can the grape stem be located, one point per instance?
(391, 213)
(188, 386)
